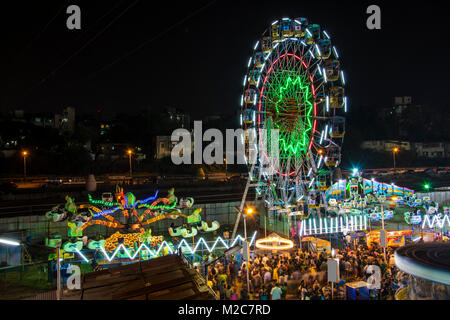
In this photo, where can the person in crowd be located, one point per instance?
(276, 292)
(269, 275)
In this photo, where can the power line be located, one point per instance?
(53, 72)
(11, 78)
(42, 31)
(143, 44)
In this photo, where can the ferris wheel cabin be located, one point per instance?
(300, 26)
(323, 49)
(337, 127)
(336, 97)
(332, 69)
(312, 34)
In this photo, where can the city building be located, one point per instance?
(43, 120)
(111, 150)
(175, 118)
(65, 122)
(430, 150)
(385, 145)
(164, 147)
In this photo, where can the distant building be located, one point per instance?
(164, 147)
(175, 118)
(43, 120)
(447, 150)
(115, 151)
(401, 104)
(111, 150)
(385, 145)
(18, 114)
(401, 116)
(430, 150)
(65, 121)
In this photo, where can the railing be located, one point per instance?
(280, 227)
(27, 280)
(50, 295)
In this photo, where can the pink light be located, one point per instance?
(314, 94)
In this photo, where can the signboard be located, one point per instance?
(383, 239)
(333, 270)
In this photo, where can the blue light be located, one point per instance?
(152, 198)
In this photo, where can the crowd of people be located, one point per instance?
(302, 274)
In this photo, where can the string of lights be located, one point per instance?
(183, 245)
(333, 225)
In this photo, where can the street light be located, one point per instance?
(10, 242)
(24, 154)
(394, 151)
(130, 152)
(248, 211)
(226, 167)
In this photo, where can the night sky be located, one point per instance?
(198, 65)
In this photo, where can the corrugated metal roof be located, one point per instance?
(164, 278)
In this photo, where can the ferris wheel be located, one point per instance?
(293, 99)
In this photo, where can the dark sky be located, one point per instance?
(199, 64)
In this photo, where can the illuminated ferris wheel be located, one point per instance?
(294, 87)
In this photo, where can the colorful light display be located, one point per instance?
(316, 226)
(274, 242)
(436, 221)
(132, 253)
(294, 84)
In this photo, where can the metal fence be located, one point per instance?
(49, 295)
(278, 225)
(441, 197)
(37, 228)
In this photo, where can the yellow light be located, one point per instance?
(130, 152)
(25, 153)
(274, 243)
(249, 211)
(396, 150)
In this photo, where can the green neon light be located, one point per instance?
(101, 202)
(289, 97)
(159, 207)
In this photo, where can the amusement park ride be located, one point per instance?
(294, 86)
(130, 217)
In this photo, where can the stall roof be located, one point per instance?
(164, 278)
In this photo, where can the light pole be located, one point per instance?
(249, 211)
(226, 167)
(130, 152)
(24, 154)
(394, 151)
(383, 233)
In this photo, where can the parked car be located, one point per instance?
(107, 197)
